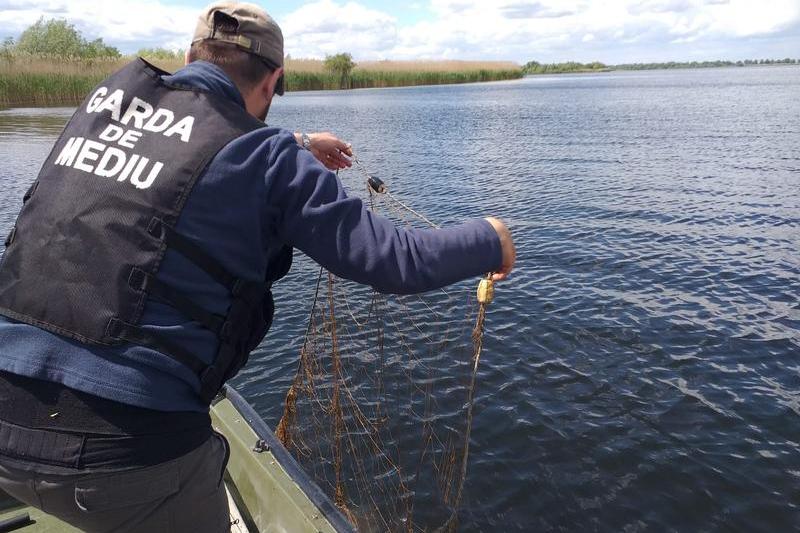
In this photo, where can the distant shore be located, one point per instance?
(46, 81)
(572, 67)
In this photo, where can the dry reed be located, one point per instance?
(43, 80)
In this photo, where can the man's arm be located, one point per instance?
(352, 242)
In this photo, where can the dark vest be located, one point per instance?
(83, 256)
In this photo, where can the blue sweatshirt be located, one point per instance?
(266, 183)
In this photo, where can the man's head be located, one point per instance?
(245, 42)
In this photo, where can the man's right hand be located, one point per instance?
(329, 150)
(507, 247)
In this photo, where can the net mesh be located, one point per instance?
(380, 409)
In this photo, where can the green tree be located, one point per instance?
(98, 48)
(161, 53)
(341, 65)
(7, 50)
(57, 37)
(531, 67)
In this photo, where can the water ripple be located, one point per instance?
(640, 370)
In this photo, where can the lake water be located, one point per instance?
(641, 369)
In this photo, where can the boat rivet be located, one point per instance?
(261, 446)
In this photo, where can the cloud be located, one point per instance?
(521, 30)
(129, 25)
(611, 30)
(327, 27)
(531, 10)
(660, 6)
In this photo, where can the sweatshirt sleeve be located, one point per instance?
(339, 233)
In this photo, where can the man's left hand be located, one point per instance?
(330, 150)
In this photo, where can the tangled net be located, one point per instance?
(380, 410)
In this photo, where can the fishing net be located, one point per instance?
(380, 409)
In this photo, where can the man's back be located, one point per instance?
(259, 194)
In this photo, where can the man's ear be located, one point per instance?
(271, 81)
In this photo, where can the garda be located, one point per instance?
(140, 113)
(106, 159)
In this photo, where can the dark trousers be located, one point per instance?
(186, 494)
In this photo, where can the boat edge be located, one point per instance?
(292, 468)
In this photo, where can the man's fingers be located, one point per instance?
(342, 160)
(345, 148)
(336, 162)
(331, 163)
(507, 247)
(338, 159)
(499, 276)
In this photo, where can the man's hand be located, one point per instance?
(507, 247)
(329, 150)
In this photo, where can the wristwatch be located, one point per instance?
(306, 141)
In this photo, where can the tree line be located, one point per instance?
(706, 64)
(59, 38)
(534, 67)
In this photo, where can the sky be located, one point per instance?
(612, 31)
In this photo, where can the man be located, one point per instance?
(137, 278)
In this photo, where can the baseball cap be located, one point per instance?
(247, 26)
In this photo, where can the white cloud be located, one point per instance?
(547, 30)
(130, 25)
(327, 27)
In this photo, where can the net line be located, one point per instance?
(346, 412)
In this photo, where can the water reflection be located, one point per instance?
(39, 124)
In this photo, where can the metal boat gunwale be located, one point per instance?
(269, 442)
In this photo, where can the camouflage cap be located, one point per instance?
(247, 26)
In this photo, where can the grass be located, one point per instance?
(46, 81)
(42, 81)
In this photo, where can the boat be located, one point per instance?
(268, 491)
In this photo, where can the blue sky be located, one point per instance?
(614, 31)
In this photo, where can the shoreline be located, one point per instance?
(66, 85)
(624, 68)
(44, 82)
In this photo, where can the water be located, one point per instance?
(641, 370)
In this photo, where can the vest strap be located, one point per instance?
(184, 304)
(129, 333)
(30, 191)
(11, 236)
(211, 381)
(193, 252)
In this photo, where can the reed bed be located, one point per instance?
(310, 74)
(42, 81)
(436, 66)
(45, 81)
